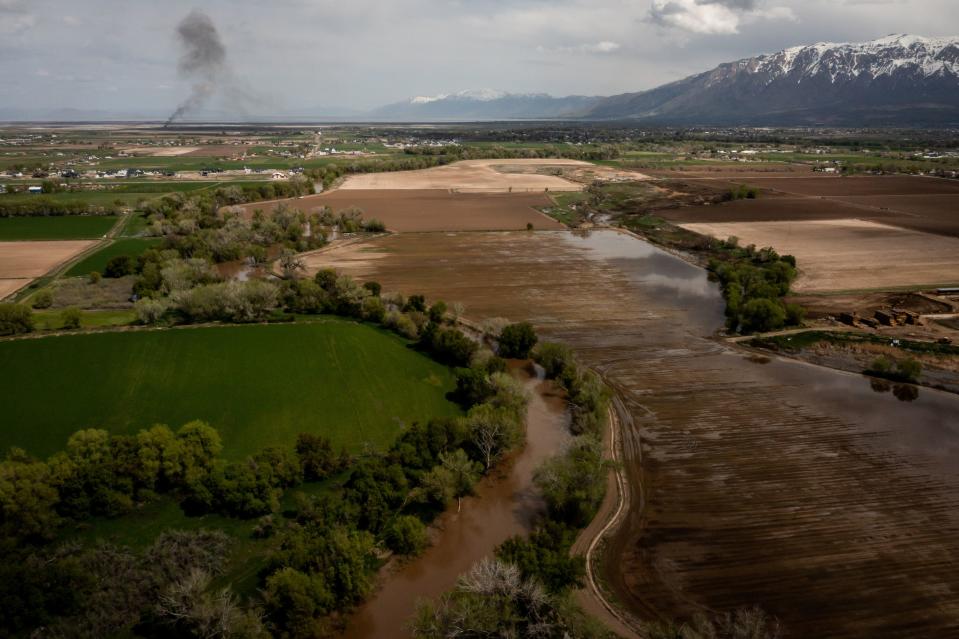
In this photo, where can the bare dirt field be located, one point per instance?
(33, 259)
(20, 262)
(851, 254)
(480, 176)
(9, 286)
(407, 210)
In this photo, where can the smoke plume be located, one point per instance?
(202, 61)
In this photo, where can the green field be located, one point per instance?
(258, 385)
(63, 227)
(98, 261)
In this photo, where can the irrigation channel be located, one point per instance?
(766, 482)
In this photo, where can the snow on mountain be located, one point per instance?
(895, 80)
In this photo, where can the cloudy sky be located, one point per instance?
(300, 54)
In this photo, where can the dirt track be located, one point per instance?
(838, 255)
(775, 483)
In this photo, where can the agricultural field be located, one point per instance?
(849, 254)
(430, 210)
(97, 261)
(21, 262)
(482, 176)
(258, 385)
(62, 227)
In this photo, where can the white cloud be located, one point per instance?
(602, 47)
(712, 17)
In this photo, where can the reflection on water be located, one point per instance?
(902, 392)
(660, 274)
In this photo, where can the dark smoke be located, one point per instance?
(203, 61)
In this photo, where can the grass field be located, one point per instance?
(258, 385)
(63, 227)
(98, 261)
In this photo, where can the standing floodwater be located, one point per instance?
(796, 488)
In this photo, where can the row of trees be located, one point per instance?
(42, 206)
(454, 153)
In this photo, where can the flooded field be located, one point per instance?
(762, 482)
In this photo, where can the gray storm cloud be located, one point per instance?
(203, 61)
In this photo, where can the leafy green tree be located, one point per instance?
(574, 483)
(406, 535)
(762, 315)
(15, 319)
(119, 266)
(294, 601)
(545, 556)
(517, 340)
(437, 312)
(373, 287)
(28, 499)
(317, 456)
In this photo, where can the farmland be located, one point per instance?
(21, 262)
(66, 227)
(97, 261)
(849, 254)
(430, 210)
(258, 385)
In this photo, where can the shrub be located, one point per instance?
(15, 319)
(150, 311)
(71, 318)
(909, 369)
(517, 340)
(43, 299)
(406, 535)
(94, 277)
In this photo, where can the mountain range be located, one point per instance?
(899, 79)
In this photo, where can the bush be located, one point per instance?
(94, 277)
(15, 319)
(406, 535)
(910, 369)
(517, 340)
(150, 311)
(119, 266)
(43, 299)
(72, 317)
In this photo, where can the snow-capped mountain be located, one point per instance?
(899, 79)
(484, 104)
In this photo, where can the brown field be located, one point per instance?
(834, 186)
(481, 176)
(731, 170)
(431, 210)
(10, 286)
(20, 262)
(836, 255)
(929, 213)
(769, 209)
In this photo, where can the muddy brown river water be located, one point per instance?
(762, 482)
